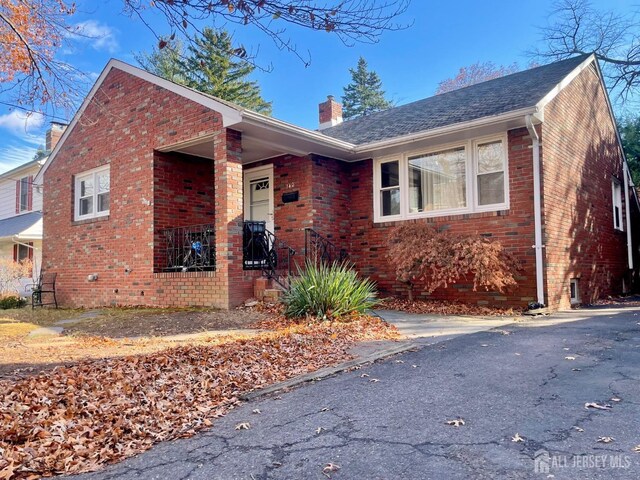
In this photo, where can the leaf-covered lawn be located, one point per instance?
(77, 418)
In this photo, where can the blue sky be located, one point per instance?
(443, 37)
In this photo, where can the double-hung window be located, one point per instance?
(389, 194)
(616, 191)
(470, 176)
(490, 167)
(92, 193)
(24, 187)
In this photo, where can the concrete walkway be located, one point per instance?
(425, 327)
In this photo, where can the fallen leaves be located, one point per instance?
(77, 418)
(330, 468)
(442, 307)
(319, 430)
(605, 440)
(517, 438)
(457, 422)
(256, 411)
(636, 449)
(597, 406)
(578, 429)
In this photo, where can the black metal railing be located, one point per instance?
(189, 249)
(320, 249)
(263, 251)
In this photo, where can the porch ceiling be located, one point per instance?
(252, 149)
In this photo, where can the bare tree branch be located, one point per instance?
(576, 27)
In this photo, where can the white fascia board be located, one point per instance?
(276, 125)
(436, 132)
(230, 115)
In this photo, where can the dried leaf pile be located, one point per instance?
(443, 308)
(77, 418)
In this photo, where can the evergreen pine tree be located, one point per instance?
(210, 65)
(364, 95)
(164, 62)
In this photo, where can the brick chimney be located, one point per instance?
(53, 135)
(330, 113)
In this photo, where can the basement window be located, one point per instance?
(92, 193)
(616, 191)
(574, 291)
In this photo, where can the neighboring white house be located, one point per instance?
(21, 211)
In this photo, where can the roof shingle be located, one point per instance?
(494, 97)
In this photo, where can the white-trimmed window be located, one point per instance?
(616, 192)
(469, 176)
(490, 167)
(388, 198)
(24, 188)
(92, 193)
(574, 291)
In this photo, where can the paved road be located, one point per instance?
(515, 379)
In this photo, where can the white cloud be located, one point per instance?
(13, 156)
(101, 36)
(23, 124)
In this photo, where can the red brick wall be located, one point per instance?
(128, 120)
(513, 228)
(580, 156)
(332, 200)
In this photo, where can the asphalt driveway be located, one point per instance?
(389, 420)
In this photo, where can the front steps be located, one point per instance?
(267, 290)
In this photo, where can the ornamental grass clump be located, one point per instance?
(328, 291)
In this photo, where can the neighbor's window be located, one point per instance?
(390, 188)
(23, 252)
(437, 181)
(616, 189)
(92, 193)
(24, 187)
(490, 173)
(460, 178)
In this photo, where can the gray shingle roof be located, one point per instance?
(494, 97)
(14, 225)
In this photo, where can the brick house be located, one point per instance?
(154, 193)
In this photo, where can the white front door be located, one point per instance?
(258, 195)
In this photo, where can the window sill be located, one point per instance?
(443, 217)
(85, 221)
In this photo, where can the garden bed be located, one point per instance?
(440, 307)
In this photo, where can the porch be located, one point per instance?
(218, 216)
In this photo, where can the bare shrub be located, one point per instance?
(11, 272)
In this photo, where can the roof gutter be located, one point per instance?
(480, 122)
(537, 210)
(274, 124)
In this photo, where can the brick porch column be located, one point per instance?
(228, 184)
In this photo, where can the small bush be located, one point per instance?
(11, 272)
(12, 301)
(434, 258)
(328, 291)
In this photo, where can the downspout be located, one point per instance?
(537, 209)
(627, 201)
